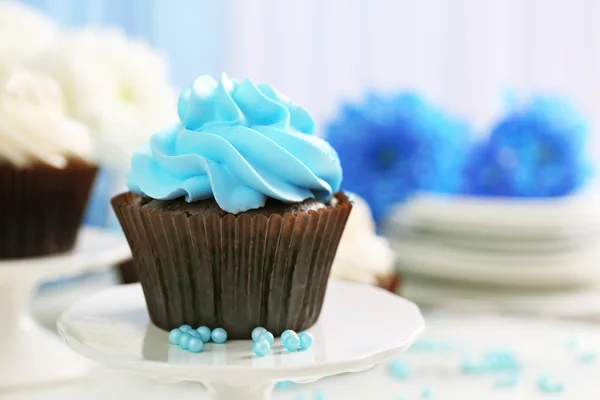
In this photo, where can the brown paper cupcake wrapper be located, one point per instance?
(236, 272)
(41, 208)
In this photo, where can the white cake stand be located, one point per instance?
(360, 326)
(28, 353)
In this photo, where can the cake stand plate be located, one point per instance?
(28, 353)
(360, 326)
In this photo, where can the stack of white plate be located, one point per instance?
(482, 248)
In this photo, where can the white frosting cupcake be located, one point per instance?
(34, 127)
(362, 256)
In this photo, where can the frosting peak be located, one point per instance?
(240, 143)
(209, 103)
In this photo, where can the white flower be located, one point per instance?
(118, 87)
(362, 256)
(24, 33)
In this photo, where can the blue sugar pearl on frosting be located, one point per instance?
(268, 336)
(185, 328)
(291, 342)
(174, 336)
(205, 333)
(261, 348)
(184, 339)
(306, 340)
(286, 333)
(219, 335)
(256, 333)
(195, 345)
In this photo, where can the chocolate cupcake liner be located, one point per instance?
(41, 208)
(236, 272)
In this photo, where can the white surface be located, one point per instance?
(30, 355)
(540, 344)
(113, 328)
(577, 303)
(510, 269)
(503, 218)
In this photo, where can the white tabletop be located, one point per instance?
(544, 347)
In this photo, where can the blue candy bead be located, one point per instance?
(261, 348)
(195, 334)
(184, 339)
(291, 342)
(256, 333)
(205, 333)
(268, 336)
(185, 328)
(174, 336)
(306, 340)
(286, 333)
(195, 345)
(219, 335)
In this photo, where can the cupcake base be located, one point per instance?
(233, 271)
(41, 207)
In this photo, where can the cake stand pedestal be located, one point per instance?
(29, 354)
(360, 326)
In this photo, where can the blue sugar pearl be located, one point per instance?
(284, 385)
(204, 332)
(306, 340)
(174, 336)
(399, 369)
(427, 393)
(195, 334)
(319, 395)
(261, 348)
(184, 339)
(268, 336)
(195, 345)
(256, 333)
(185, 328)
(291, 342)
(286, 334)
(547, 384)
(219, 335)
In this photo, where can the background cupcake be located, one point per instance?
(46, 167)
(363, 256)
(238, 220)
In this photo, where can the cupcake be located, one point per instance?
(46, 168)
(234, 215)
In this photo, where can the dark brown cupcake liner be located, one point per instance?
(236, 271)
(41, 207)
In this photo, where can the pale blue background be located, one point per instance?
(191, 32)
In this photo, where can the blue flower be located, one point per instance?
(537, 150)
(391, 147)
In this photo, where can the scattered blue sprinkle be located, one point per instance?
(284, 385)
(427, 393)
(549, 384)
(572, 342)
(319, 395)
(492, 361)
(399, 369)
(587, 357)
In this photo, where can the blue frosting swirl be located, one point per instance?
(239, 143)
